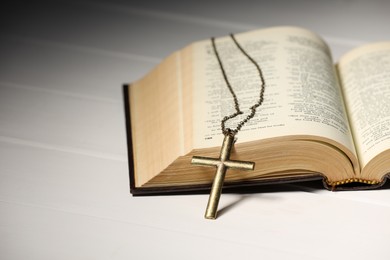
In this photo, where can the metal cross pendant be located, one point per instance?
(222, 164)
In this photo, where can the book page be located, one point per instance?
(365, 77)
(302, 95)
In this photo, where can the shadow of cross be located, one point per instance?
(222, 164)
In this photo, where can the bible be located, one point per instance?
(319, 120)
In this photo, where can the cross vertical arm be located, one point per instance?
(222, 164)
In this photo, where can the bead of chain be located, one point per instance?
(228, 131)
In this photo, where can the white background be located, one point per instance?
(64, 186)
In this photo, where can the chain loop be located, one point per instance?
(228, 131)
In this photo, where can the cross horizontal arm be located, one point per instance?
(206, 161)
(199, 160)
(240, 165)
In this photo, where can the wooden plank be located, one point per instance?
(46, 234)
(346, 22)
(67, 70)
(61, 122)
(82, 186)
(117, 26)
(102, 28)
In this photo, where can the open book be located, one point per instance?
(318, 120)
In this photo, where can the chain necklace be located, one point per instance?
(223, 162)
(228, 131)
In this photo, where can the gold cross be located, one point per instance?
(222, 164)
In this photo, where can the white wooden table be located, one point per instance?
(64, 186)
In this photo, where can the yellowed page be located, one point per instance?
(365, 76)
(157, 119)
(302, 95)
